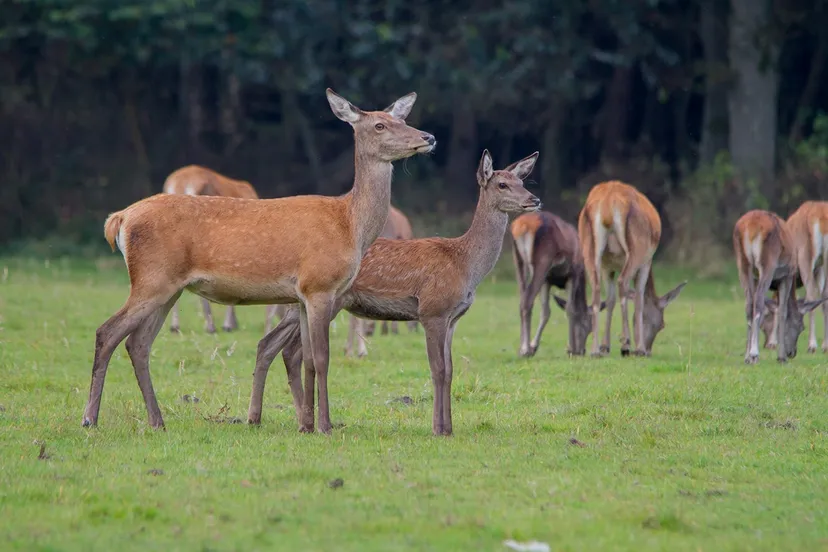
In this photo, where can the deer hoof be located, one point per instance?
(782, 360)
(175, 329)
(625, 351)
(228, 328)
(771, 346)
(596, 355)
(87, 423)
(306, 428)
(210, 329)
(751, 359)
(812, 349)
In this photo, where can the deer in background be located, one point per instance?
(432, 280)
(397, 227)
(194, 180)
(619, 230)
(302, 249)
(766, 253)
(547, 253)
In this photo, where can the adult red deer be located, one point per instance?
(432, 280)
(304, 249)
(619, 230)
(547, 253)
(766, 254)
(195, 180)
(397, 227)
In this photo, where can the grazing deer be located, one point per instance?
(432, 280)
(397, 227)
(766, 254)
(304, 249)
(547, 253)
(194, 180)
(619, 230)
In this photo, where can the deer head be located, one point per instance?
(579, 317)
(383, 134)
(654, 313)
(504, 189)
(794, 321)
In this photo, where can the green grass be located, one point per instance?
(687, 450)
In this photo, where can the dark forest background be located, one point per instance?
(710, 107)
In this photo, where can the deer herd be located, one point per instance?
(306, 258)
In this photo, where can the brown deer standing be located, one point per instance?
(432, 280)
(619, 230)
(547, 253)
(397, 227)
(194, 180)
(304, 249)
(766, 254)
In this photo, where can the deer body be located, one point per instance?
(765, 254)
(196, 181)
(547, 253)
(432, 280)
(397, 227)
(304, 249)
(619, 231)
(808, 227)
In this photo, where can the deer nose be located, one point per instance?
(429, 139)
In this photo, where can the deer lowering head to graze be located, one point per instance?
(194, 180)
(432, 280)
(765, 255)
(397, 227)
(304, 249)
(619, 230)
(547, 253)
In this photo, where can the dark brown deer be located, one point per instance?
(304, 249)
(766, 255)
(432, 280)
(195, 180)
(547, 253)
(619, 230)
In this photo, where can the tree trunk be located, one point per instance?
(713, 30)
(612, 121)
(552, 161)
(136, 137)
(230, 106)
(190, 108)
(752, 102)
(462, 153)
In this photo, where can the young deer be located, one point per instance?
(808, 227)
(432, 280)
(304, 249)
(194, 180)
(547, 253)
(766, 254)
(619, 230)
(397, 227)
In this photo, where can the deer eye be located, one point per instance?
(379, 126)
(502, 185)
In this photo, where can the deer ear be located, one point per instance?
(402, 107)
(522, 168)
(342, 108)
(561, 302)
(485, 170)
(807, 306)
(671, 295)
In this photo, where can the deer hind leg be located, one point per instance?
(306, 423)
(174, 325)
(230, 321)
(395, 327)
(782, 318)
(527, 301)
(138, 346)
(361, 343)
(447, 377)
(436, 330)
(209, 326)
(546, 312)
(812, 292)
(822, 274)
(611, 285)
(284, 336)
(109, 335)
(757, 305)
(319, 309)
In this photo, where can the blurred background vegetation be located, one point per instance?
(710, 107)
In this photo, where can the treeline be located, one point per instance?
(709, 106)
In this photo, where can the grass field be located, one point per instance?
(687, 450)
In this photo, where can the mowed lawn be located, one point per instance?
(687, 450)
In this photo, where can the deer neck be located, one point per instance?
(483, 241)
(650, 295)
(370, 198)
(577, 293)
